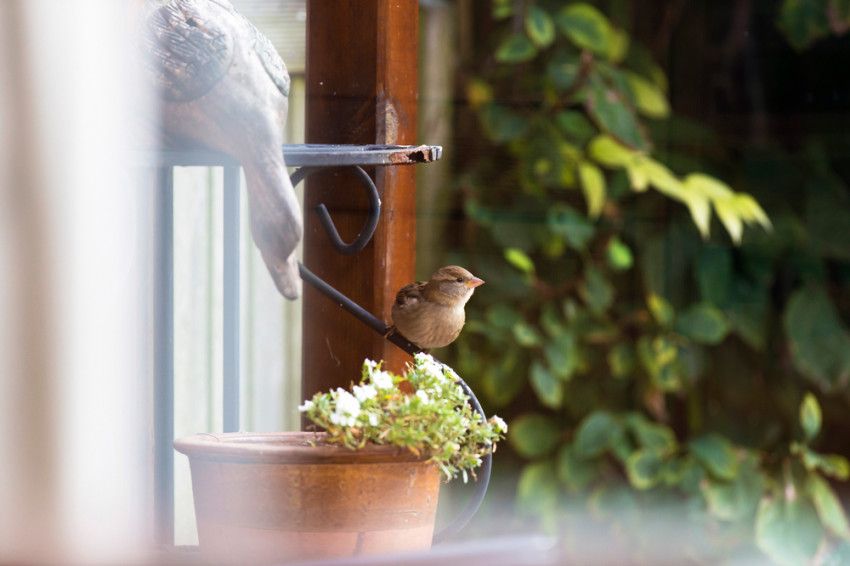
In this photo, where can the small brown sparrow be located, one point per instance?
(430, 314)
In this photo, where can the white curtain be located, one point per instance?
(75, 278)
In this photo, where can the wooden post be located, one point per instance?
(361, 89)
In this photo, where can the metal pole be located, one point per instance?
(231, 299)
(164, 358)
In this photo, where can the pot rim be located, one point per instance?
(286, 448)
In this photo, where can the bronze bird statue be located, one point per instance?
(223, 86)
(431, 313)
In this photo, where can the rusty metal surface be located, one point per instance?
(308, 155)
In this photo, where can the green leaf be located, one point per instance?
(730, 218)
(703, 323)
(478, 93)
(538, 491)
(609, 152)
(649, 99)
(833, 465)
(519, 259)
(658, 356)
(596, 291)
(619, 255)
(539, 27)
(576, 126)
(572, 226)
(562, 355)
(502, 379)
(839, 555)
(621, 360)
(738, 499)
(563, 71)
(548, 388)
(503, 316)
(526, 335)
(534, 435)
(810, 416)
(595, 433)
(516, 48)
(715, 453)
(502, 9)
(819, 343)
(618, 46)
(788, 531)
(586, 27)
(502, 125)
(804, 21)
(828, 506)
(652, 435)
(609, 110)
(574, 471)
(661, 310)
(644, 468)
(593, 185)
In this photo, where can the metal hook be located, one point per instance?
(369, 227)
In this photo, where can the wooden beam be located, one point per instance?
(361, 89)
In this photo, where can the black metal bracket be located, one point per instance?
(401, 155)
(369, 227)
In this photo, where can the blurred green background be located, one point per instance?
(656, 194)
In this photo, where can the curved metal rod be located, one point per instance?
(373, 322)
(369, 227)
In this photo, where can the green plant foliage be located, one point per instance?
(539, 27)
(434, 419)
(788, 531)
(667, 308)
(820, 345)
(703, 324)
(516, 49)
(828, 506)
(806, 21)
(716, 454)
(810, 416)
(534, 435)
(585, 26)
(736, 499)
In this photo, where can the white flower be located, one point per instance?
(305, 406)
(382, 380)
(364, 392)
(423, 396)
(370, 365)
(347, 408)
(465, 476)
(430, 365)
(373, 419)
(499, 423)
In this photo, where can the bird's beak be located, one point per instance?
(474, 282)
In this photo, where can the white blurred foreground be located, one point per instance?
(74, 285)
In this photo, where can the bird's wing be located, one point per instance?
(409, 295)
(269, 57)
(191, 47)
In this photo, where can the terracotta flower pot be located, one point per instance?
(288, 496)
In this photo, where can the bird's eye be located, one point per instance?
(459, 279)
